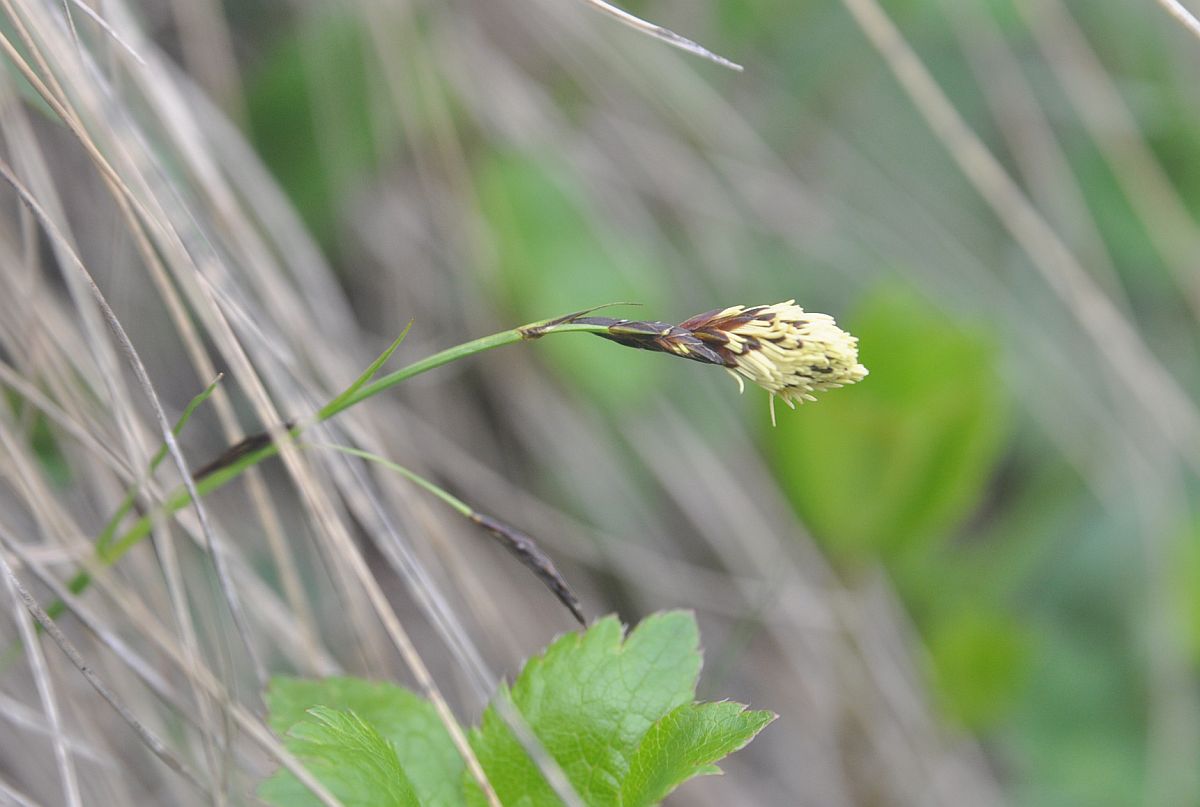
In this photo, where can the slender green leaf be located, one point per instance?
(106, 536)
(369, 373)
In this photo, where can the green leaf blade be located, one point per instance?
(687, 743)
(407, 721)
(590, 698)
(349, 756)
(615, 712)
(339, 403)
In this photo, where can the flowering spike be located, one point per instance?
(788, 352)
(782, 348)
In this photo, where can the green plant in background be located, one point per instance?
(892, 472)
(894, 469)
(549, 255)
(1187, 588)
(41, 438)
(618, 716)
(312, 116)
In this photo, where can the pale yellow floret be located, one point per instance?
(791, 353)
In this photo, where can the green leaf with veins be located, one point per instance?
(616, 712)
(616, 715)
(686, 742)
(406, 720)
(349, 756)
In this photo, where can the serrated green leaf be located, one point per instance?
(407, 721)
(591, 699)
(349, 756)
(685, 743)
(615, 712)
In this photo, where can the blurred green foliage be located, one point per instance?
(891, 467)
(1187, 588)
(42, 439)
(312, 117)
(551, 261)
(979, 658)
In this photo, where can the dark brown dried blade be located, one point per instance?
(660, 337)
(238, 450)
(691, 323)
(526, 550)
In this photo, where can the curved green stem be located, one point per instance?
(521, 545)
(130, 499)
(457, 504)
(356, 393)
(526, 332)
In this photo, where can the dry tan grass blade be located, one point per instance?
(46, 692)
(662, 34)
(1115, 337)
(1177, 10)
(151, 740)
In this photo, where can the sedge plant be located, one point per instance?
(787, 351)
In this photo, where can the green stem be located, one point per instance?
(461, 507)
(519, 544)
(130, 499)
(180, 498)
(448, 355)
(81, 580)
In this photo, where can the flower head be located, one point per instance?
(782, 348)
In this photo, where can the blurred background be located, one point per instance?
(972, 579)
